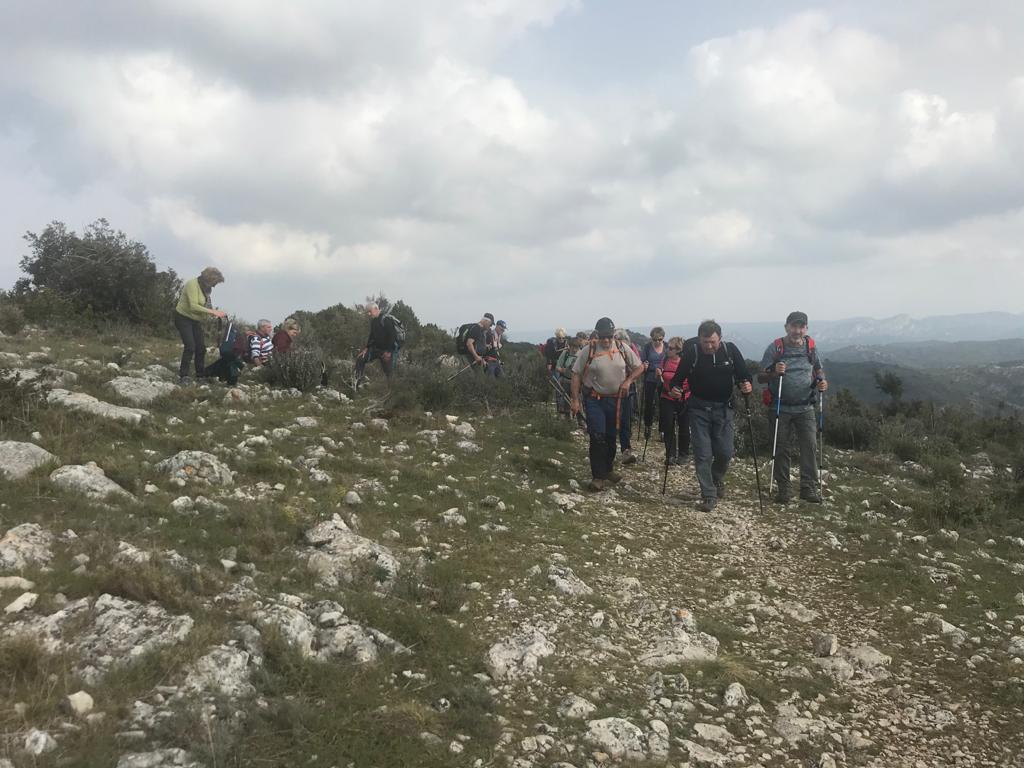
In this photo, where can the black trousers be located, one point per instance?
(650, 402)
(672, 422)
(191, 332)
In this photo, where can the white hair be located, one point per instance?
(621, 335)
(372, 306)
(264, 322)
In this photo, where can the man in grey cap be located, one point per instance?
(791, 362)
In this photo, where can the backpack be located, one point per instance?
(460, 338)
(591, 355)
(780, 349)
(399, 328)
(240, 344)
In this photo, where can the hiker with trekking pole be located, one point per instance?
(792, 361)
(562, 381)
(630, 405)
(672, 410)
(601, 377)
(712, 367)
(652, 356)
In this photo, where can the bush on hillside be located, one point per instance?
(301, 368)
(100, 275)
(12, 319)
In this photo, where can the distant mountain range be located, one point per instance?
(752, 338)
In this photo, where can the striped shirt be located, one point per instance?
(260, 348)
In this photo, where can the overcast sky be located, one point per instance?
(549, 161)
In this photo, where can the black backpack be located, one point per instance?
(460, 338)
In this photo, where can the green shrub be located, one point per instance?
(302, 368)
(12, 319)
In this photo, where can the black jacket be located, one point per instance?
(711, 377)
(382, 334)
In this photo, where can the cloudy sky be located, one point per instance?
(550, 161)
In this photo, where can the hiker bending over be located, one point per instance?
(192, 309)
(712, 367)
(380, 344)
(652, 356)
(492, 351)
(285, 335)
(672, 415)
(471, 340)
(792, 362)
(601, 377)
(239, 348)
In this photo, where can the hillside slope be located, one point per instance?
(324, 587)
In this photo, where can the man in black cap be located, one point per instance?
(791, 363)
(712, 367)
(601, 377)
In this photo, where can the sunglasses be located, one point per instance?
(675, 349)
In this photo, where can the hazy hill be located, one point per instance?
(933, 354)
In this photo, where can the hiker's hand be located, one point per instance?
(574, 406)
(676, 392)
(746, 387)
(219, 313)
(386, 356)
(659, 373)
(624, 390)
(780, 369)
(822, 385)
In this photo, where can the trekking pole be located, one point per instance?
(753, 450)
(559, 390)
(647, 439)
(664, 481)
(775, 440)
(454, 375)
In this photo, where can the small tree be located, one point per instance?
(890, 384)
(102, 274)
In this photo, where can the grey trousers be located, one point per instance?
(804, 427)
(711, 439)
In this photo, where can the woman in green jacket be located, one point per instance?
(194, 307)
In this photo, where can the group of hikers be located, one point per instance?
(240, 348)
(601, 379)
(690, 385)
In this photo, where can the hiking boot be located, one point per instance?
(628, 457)
(783, 496)
(720, 487)
(707, 504)
(647, 433)
(184, 381)
(597, 485)
(677, 461)
(614, 477)
(811, 496)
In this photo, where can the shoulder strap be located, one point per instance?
(810, 350)
(780, 348)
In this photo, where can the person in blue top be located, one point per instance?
(653, 358)
(794, 359)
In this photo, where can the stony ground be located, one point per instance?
(250, 577)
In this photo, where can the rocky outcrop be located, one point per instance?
(25, 545)
(140, 391)
(196, 467)
(17, 459)
(518, 655)
(87, 480)
(83, 403)
(340, 555)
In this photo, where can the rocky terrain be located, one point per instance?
(205, 576)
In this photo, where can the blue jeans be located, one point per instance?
(626, 426)
(601, 421)
(711, 437)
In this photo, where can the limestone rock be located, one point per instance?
(39, 742)
(702, 756)
(716, 734)
(22, 603)
(341, 554)
(79, 704)
(294, 626)
(16, 582)
(866, 658)
(223, 671)
(306, 421)
(735, 695)
(24, 545)
(794, 728)
(196, 467)
(463, 429)
(836, 667)
(139, 391)
(617, 737)
(518, 655)
(79, 401)
(110, 632)
(797, 611)
(356, 642)
(825, 645)
(1016, 647)
(453, 517)
(17, 459)
(159, 758)
(679, 645)
(576, 707)
(568, 583)
(87, 480)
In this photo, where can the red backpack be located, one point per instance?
(241, 347)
